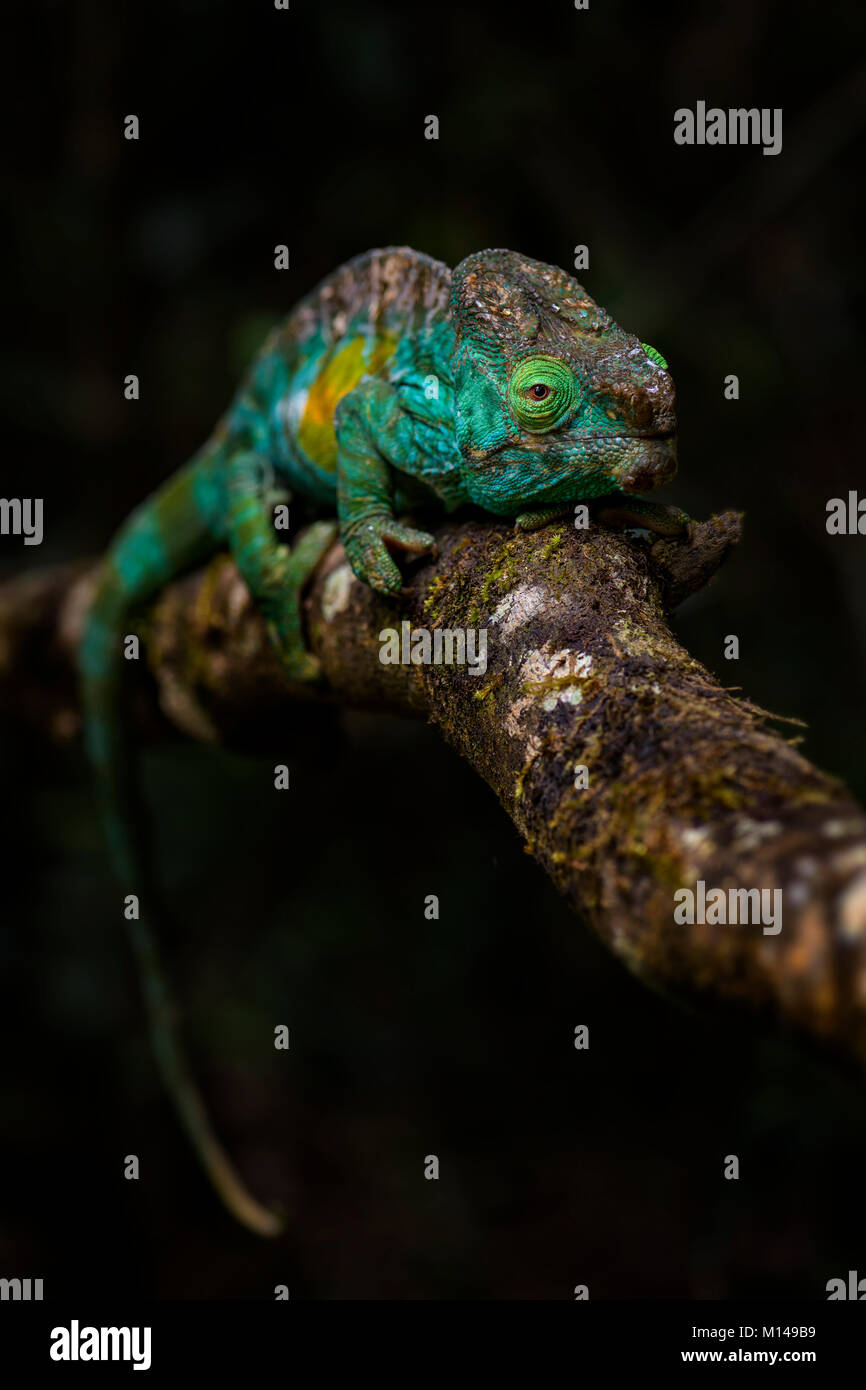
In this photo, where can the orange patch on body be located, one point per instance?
(358, 358)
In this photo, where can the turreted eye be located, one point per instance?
(655, 356)
(542, 390)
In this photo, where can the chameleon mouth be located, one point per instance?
(473, 454)
(633, 434)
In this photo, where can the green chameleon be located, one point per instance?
(395, 383)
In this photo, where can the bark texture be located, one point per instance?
(686, 781)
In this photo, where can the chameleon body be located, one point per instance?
(394, 384)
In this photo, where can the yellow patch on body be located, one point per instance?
(338, 375)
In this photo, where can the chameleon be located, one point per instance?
(396, 383)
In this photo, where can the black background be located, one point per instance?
(306, 127)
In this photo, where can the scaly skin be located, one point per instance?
(393, 384)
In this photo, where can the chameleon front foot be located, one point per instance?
(533, 521)
(367, 548)
(651, 516)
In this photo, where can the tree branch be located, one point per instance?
(686, 782)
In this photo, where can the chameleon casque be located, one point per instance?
(395, 383)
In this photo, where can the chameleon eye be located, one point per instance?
(541, 392)
(655, 356)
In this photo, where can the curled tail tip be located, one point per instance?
(268, 1222)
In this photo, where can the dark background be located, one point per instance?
(410, 1037)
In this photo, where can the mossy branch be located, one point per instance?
(686, 782)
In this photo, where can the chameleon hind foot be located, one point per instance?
(285, 608)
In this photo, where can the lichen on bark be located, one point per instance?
(687, 781)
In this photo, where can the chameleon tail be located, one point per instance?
(168, 533)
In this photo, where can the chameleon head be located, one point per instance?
(555, 402)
